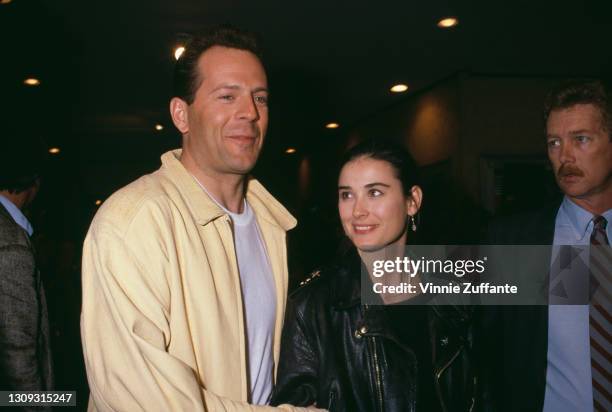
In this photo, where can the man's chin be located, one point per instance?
(243, 163)
(575, 191)
(570, 186)
(243, 171)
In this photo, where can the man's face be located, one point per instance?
(228, 118)
(580, 151)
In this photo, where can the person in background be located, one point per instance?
(25, 355)
(557, 358)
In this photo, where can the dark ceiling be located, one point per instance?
(105, 67)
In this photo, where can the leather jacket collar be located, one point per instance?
(346, 281)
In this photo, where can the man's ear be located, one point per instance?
(413, 203)
(178, 112)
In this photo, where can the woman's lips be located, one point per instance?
(363, 229)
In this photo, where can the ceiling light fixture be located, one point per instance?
(5, 1)
(332, 125)
(159, 127)
(31, 81)
(448, 22)
(399, 88)
(54, 150)
(98, 202)
(290, 150)
(178, 52)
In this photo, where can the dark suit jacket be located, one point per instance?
(513, 340)
(25, 356)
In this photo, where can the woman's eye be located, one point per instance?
(345, 195)
(375, 192)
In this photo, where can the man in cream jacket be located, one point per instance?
(184, 270)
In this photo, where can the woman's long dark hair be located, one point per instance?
(402, 162)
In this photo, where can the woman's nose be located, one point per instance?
(359, 210)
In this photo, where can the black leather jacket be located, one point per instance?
(343, 356)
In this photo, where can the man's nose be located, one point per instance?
(248, 109)
(566, 153)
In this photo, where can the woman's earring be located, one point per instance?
(413, 224)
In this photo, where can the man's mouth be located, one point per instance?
(243, 139)
(570, 178)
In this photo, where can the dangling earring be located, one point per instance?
(412, 223)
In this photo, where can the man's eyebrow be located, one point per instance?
(572, 132)
(225, 86)
(238, 87)
(580, 131)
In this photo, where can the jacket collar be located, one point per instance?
(346, 272)
(16, 214)
(205, 210)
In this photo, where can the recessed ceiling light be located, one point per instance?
(98, 202)
(31, 81)
(399, 88)
(178, 52)
(332, 125)
(159, 127)
(54, 150)
(290, 150)
(448, 22)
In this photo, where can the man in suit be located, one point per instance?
(557, 357)
(25, 357)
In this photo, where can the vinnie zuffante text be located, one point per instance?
(423, 266)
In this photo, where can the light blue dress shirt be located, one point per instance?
(568, 375)
(16, 214)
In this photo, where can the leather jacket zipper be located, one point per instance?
(377, 375)
(332, 400)
(373, 355)
(439, 374)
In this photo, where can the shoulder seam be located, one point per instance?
(136, 210)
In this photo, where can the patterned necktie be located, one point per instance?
(600, 319)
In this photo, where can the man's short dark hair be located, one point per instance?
(186, 78)
(21, 162)
(572, 93)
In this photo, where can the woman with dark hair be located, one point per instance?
(344, 356)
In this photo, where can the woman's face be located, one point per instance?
(373, 208)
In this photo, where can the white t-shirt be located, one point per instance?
(259, 301)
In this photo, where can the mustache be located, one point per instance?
(567, 170)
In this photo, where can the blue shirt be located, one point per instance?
(568, 375)
(16, 214)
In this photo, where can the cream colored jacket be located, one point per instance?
(162, 322)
